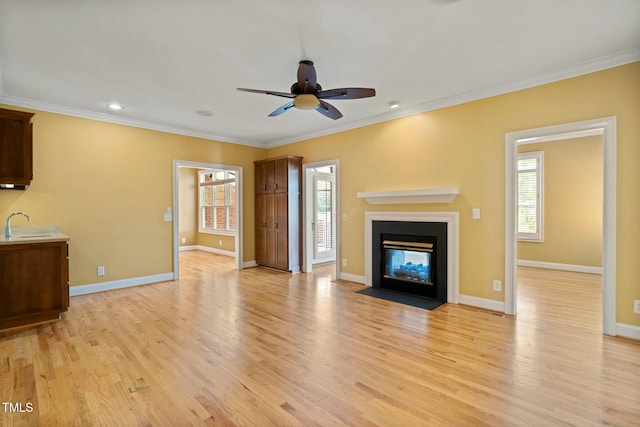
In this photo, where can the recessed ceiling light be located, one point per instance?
(204, 113)
(115, 106)
(394, 104)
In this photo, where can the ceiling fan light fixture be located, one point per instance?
(306, 102)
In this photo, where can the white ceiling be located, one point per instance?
(166, 59)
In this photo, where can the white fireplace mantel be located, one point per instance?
(431, 195)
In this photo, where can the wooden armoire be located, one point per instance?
(279, 212)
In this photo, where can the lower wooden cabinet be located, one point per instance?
(34, 282)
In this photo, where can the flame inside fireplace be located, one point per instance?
(408, 261)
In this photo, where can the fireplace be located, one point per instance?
(410, 257)
(408, 261)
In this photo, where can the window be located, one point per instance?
(530, 196)
(217, 200)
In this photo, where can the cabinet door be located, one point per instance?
(265, 178)
(281, 231)
(33, 282)
(261, 229)
(281, 176)
(16, 160)
(265, 232)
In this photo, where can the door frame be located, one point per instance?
(176, 210)
(607, 126)
(307, 208)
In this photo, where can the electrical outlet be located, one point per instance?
(219, 242)
(184, 240)
(100, 271)
(497, 285)
(344, 262)
(636, 306)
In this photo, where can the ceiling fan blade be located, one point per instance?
(282, 109)
(328, 110)
(306, 77)
(347, 93)
(267, 92)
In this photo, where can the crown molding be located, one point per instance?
(102, 117)
(586, 67)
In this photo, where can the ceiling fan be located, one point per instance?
(307, 94)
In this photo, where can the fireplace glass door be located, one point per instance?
(408, 261)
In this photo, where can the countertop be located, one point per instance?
(40, 234)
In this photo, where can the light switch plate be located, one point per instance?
(475, 213)
(168, 217)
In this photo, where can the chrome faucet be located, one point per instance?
(7, 230)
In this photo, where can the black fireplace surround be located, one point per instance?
(426, 274)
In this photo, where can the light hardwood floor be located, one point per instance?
(259, 347)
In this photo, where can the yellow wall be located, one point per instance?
(188, 229)
(217, 241)
(572, 192)
(108, 187)
(463, 146)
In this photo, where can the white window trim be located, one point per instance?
(538, 236)
(207, 230)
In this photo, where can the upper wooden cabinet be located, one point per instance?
(264, 177)
(272, 176)
(16, 149)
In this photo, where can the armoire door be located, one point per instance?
(281, 230)
(265, 178)
(281, 175)
(265, 237)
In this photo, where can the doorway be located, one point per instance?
(234, 201)
(321, 229)
(323, 214)
(560, 228)
(605, 127)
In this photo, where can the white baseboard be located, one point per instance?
(118, 284)
(628, 331)
(216, 251)
(249, 264)
(487, 304)
(352, 277)
(556, 266)
(207, 249)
